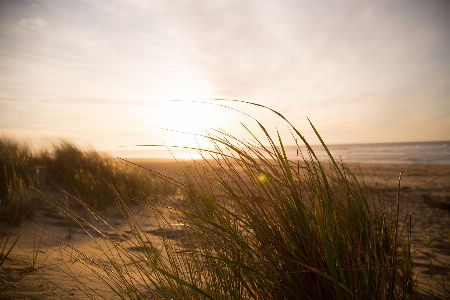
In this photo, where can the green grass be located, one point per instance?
(256, 225)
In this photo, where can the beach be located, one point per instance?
(52, 275)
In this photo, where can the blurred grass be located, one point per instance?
(92, 176)
(18, 201)
(26, 175)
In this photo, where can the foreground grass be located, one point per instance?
(251, 223)
(255, 225)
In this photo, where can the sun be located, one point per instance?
(186, 110)
(188, 116)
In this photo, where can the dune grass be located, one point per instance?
(255, 225)
(18, 201)
(26, 176)
(91, 176)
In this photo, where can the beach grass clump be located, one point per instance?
(14, 158)
(18, 201)
(98, 179)
(26, 176)
(256, 225)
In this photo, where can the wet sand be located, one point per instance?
(54, 270)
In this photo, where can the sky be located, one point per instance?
(106, 72)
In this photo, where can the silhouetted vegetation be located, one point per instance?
(255, 225)
(25, 177)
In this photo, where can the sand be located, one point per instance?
(56, 274)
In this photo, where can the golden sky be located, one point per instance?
(103, 72)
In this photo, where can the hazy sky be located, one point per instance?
(103, 71)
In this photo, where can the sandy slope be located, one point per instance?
(58, 274)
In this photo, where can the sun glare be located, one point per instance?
(186, 109)
(188, 116)
(189, 156)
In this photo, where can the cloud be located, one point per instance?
(33, 23)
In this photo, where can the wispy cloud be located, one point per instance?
(33, 24)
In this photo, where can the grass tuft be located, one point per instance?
(91, 176)
(255, 225)
(27, 176)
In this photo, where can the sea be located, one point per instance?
(399, 153)
(386, 153)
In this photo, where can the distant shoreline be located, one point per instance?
(390, 153)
